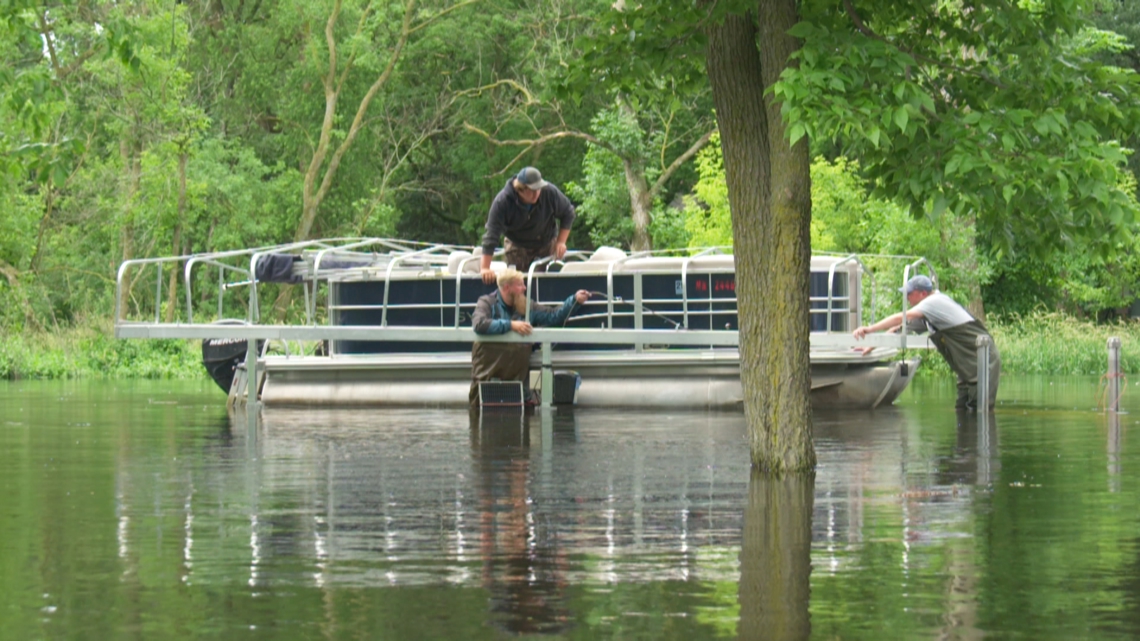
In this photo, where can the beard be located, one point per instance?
(517, 303)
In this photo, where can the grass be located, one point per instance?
(93, 352)
(1054, 344)
(1041, 343)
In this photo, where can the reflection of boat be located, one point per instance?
(659, 330)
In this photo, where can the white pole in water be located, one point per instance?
(1112, 402)
(984, 344)
(547, 377)
(251, 385)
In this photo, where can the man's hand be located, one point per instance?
(488, 275)
(860, 332)
(522, 327)
(581, 296)
(559, 250)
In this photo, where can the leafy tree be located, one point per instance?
(984, 110)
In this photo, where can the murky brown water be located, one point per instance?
(138, 509)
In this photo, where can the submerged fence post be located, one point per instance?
(251, 384)
(547, 377)
(1112, 401)
(984, 344)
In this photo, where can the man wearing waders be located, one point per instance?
(502, 311)
(955, 335)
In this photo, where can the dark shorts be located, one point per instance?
(521, 257)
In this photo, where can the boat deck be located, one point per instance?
(393, 318)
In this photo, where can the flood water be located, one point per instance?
(139, 510)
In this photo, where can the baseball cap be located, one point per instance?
(917, 283)
(530, 177)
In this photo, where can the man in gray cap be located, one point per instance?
(534, 215)
(955, 335)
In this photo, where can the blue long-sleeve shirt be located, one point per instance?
(492, 316)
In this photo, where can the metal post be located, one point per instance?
(547, 377)
(251, 385)
(638, 323)
(984, 345)
(1112, 402)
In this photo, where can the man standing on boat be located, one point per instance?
(525, 211)
(503, 311)
(955, 335)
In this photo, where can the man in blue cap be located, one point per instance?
(955, 335)
(534, 215)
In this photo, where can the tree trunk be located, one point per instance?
(769, 194)
(132, 166)
(786, 258)
(640, 202)
(172, 287)
(45, 221)
(775, 558)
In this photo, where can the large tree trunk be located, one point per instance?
(775, 558)
(786, 258)
(769, 194)
(640, 202)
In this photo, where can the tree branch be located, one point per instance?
(10, 273)
(680, 160)
(440, 15)
(529, 144)
(478, 91)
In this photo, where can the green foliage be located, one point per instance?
(92, 352)
(1021, 134)
(1051, 343)
(708, 220)
(603, 198)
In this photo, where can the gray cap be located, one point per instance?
(917, 283)
(530, 177)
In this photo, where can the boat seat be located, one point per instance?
(712, 262)
(670, 264)
(471, 266)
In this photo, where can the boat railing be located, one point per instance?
(325, 262)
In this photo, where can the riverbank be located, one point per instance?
(1053, 344)
(1044, 343)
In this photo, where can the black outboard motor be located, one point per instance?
(221, 356)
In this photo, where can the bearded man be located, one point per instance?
(502, 311)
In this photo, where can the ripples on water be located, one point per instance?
(140, 509)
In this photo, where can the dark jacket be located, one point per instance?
(529, 226)
(492, 316)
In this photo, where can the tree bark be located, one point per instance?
(775, 558)
(132, 166)
(640, 202)
(769, 195)
(176, 244)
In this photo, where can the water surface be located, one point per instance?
(141, 510)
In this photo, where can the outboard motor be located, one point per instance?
(221, 356)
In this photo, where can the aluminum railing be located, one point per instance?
(396, 257)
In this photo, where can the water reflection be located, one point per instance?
(1113, 450)
(775, 558)
(523, 568)
(919, 523)
(975, 457)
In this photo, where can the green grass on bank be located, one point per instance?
(1044, 343)
(93, 352)
(1054, 344)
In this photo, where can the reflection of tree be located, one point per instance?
(522, 568)
(775, 558)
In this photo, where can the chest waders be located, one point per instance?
(958, 345)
